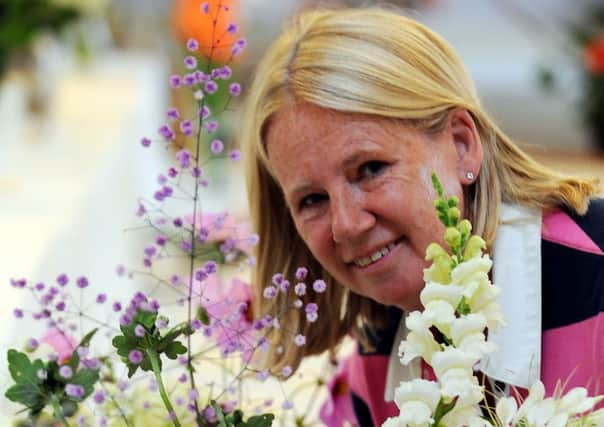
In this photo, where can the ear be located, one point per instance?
(466, 138)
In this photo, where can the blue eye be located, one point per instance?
(311, 200)
(371, 169)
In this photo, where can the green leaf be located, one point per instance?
(219, 414)
(203, 315)
(145, 318)
(86, 340)
(87, 378)
(30, 395)
(264, 420)
(443, 409)
(175, 348)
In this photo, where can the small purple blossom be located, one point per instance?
(190, 62)
(177, 222)
(319, 286)
(167, 132)
(299, 340)
(101, 298)
(65, 371)
(193, 394)
(135, 357)
(161, 240)
(184, 158)
(211, 126)
(284, 285)
(173, 114)
(210, 87)
(300, 289)
(205, 7)
(195, 171)
(196, 324)
(269, 292)
(150, 250)
(172, 172)
(161, 322)
(60, 306)
(99, 397)
(32, 344)
(139, 331)
(232, 28)
(204, 113)
(175, 81)
(301, 273)
(312, 317)
(74, 390)
(287, 404)
(82, 282)
(211, 267)
(189, 80)
(82, 352)
(182, 378)
(263, 375)
(235, 155)
(175, 280)
(235, 89)
(125, 319)
(192, 45)
(39, 286)
(226, 72)
(185, 245)
(116, 306)
(62, 279)
(186, 127)
(216, 146)
(286, 371)
(201, 275)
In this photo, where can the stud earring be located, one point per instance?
(470, 175)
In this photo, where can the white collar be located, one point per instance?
(517, 271)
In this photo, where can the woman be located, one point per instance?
(350, 113)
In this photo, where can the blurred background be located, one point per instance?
(82, 81)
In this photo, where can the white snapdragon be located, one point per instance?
(420, 342)
(454, 370)
(417, 401)
(467, 333)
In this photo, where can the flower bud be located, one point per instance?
(453, 237)
(453, 214)
(453, 201)
(474, 247)
(465, 227)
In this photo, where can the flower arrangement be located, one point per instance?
(449, 335)
(183, 350)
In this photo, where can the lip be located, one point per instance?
(396, 243)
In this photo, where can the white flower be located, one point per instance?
(419, 341)
(434, 291)
(467, 333)
(440, 314)
(468, 416)
(474, 269)
(453, 368)
(393, 422)
(417, 401)
(576, 401)
(506, 410)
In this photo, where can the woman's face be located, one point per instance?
(360, 193)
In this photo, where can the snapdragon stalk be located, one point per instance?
(154, 358)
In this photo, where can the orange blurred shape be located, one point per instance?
(593, 54)
(209, 29)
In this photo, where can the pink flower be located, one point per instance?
(230, 312)
(62, 344)
(222, 227)
(338, 410)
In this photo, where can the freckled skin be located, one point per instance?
(355, 183)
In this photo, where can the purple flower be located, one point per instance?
(196, 324)
(216, 146)
(139, 331)
(211, 267)
(182, 378)
(60, 306)
(319, 286)
(185, 246)
(299, 340)
(184, 158)
(235, 155)
(277, 278)
(301, 273)
(210, 87)
(116, 306)
(270, 292)
(32, 344)
(311, 307)
(195, 171)
(193, 394)
(175, 280)
(122, 385)
(300, 289)
(150, 250)
(161, 240)
(39, 286)
(154, 305)
(74, 390)
(232, 28)
(82, 352)
(125, 319)
(312, 316)
(192, 45)
(145, 142)
(190, 80)
(286, 371)
(99, 397)
(204, 113)
(177, 222)
(205, 7)
(175, 81)
(62, 280)
(186, 127)
(135, 357)
(101, 298)
(201, 275)
(287, 404)
(190, 62)
(235, 89)
(161, 322)
(263, 375)
(173, 114)
(147, 262)
(226, 72)
(172, 172)
(82, 282)
(65, 371)
(200, 76)
(92, 363)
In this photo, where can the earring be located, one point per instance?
(470, 175)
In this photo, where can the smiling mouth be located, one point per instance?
(377, 255)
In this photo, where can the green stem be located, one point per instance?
(56, 406)
(154, 358)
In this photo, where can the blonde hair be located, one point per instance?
(376, 62)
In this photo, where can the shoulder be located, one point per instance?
(580, 232)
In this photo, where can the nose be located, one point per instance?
(349, 216)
